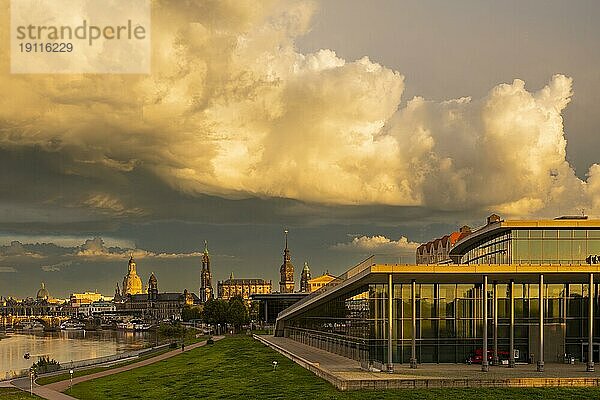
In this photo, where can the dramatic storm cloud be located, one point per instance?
(240, 132)
(232, 109)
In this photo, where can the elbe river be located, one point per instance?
(65, 346)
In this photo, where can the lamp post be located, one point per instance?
(71, 380)
(31, 381)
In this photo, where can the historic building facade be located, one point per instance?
(132, 284)
(42, 305)
(438, 250)
(518, 291)
(242, 287)
(286, 271)
(206, 289)
(319, 281)
(157, 306)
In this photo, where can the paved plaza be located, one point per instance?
(432, 375)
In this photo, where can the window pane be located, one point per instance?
(550, 252)
(579, 250)
(521, 251)
(564, 250)
(593, 247)
(535, 250)
(521, 234)
(535, 233)
(550, 233)
(594, 234)
(565, 233)
(579, 233)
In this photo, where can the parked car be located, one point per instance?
(477, 356)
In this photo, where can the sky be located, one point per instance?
(361, 127)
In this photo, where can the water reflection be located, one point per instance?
(65, 346)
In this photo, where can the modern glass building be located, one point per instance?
(519, 291)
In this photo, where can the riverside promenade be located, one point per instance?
(54, 391)
(346, 374)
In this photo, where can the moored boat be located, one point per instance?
(72, 325)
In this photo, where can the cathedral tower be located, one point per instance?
(286, 283)
(206, 290)
(305, 277)
(132, 284)
(152, 288)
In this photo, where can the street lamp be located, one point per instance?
(71, 381)
(274, 365)
(31, 373)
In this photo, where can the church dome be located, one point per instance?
(132, 284)
(43, 294)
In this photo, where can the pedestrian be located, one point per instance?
(182, 346)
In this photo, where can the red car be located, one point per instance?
(477, 356)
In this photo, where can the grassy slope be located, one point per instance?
(15, 394)
(239, 367)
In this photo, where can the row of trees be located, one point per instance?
(234, 312)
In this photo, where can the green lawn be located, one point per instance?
(240, 367)
(15, 394)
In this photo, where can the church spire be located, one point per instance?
(206, 290)
(286, 251)
(286, 271)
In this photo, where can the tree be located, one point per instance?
(189, 313)
(237, 313)
(215, 312)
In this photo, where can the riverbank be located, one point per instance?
(76, 348)
(105, 366)
(71, 349)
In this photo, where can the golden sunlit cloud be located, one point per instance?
(233, 109)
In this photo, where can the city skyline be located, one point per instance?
(363, 129)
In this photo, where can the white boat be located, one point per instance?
(72, 326)
(32, 326)
(128, 326)
(141, 326)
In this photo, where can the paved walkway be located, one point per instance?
(346, 374)
(53, 390)
(329, 361)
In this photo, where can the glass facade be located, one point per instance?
(554, 246)
(449, 322)
(494, 250)
(535, 246)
